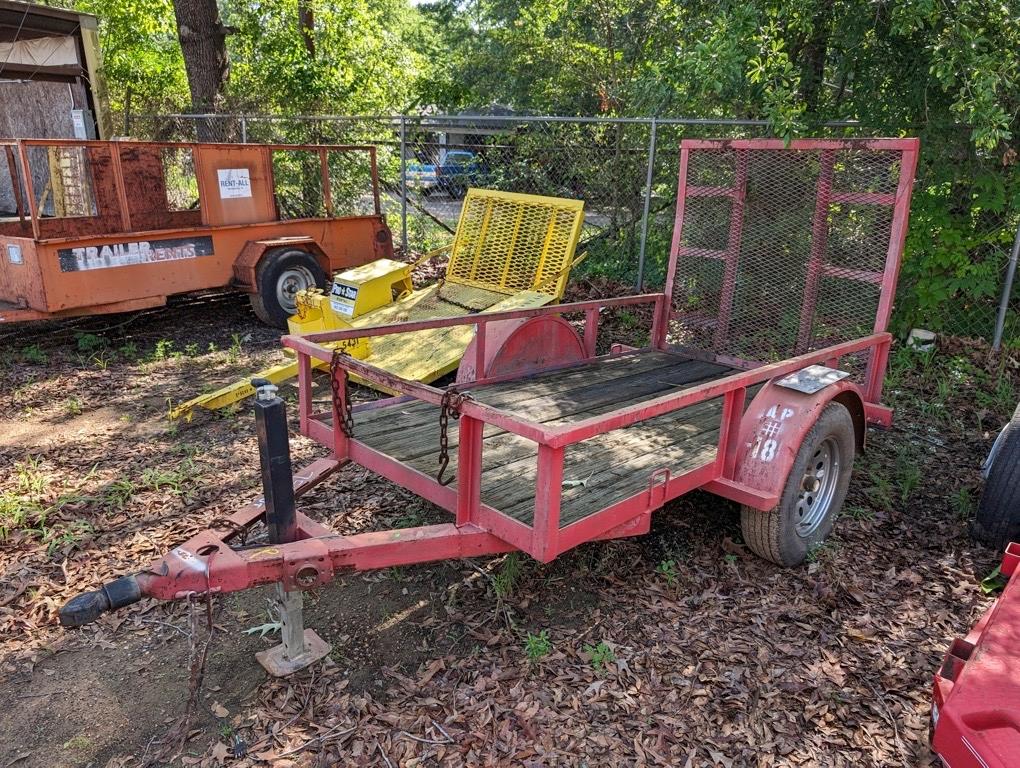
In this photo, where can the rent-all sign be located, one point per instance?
(135, 252)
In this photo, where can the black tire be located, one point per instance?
(804, 518)
(997, 521)
(281, 273)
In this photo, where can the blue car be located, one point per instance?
(459, 170)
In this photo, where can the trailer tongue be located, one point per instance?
(764, 362)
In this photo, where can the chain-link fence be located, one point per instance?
(626, 171)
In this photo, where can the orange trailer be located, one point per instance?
(91, 227)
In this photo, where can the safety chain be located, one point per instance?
(338, 379)
(449, 405)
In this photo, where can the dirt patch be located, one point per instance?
(674, 648)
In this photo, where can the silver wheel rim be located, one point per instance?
(292, 280)
(818, 487)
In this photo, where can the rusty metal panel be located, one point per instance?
(235, 184)
(20, 278)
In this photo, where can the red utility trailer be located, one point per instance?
(764, 363)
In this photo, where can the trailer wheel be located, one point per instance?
(813, 495)
(997, 521)
(281, 273)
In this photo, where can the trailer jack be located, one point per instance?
(299, 647)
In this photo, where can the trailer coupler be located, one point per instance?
(89, 606)
(191, 569)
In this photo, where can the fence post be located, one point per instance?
(648, 201)
(403, 184)
(1007, 291)
(244, 129)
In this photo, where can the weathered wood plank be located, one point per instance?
(616, 464)
(559, 383)
(418, 427)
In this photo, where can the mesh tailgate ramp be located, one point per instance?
(779, 252)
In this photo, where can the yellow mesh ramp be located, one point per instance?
(510, 251)
(508, 242)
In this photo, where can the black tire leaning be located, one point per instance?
(997, 521)
(774, 535)
(280, 270)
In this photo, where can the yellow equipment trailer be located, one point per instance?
(510, 251)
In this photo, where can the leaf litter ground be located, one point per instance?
(677, 648)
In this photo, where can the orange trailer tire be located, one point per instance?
(281, 273)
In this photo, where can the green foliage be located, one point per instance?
(89, 342)
(31, 479)
(537, 646)
(821, 552)
(234, 352)
(908, 473)
(164, 350)
(118, 493)
(859, 512)
(142, 61)
(601, 655)
(364, 60)
(667, 569)
(509, 573)
(963, 503)
(129, 351)
(17, 513)
(916, 68)
(66, 537)
(941, 71)
(34, 354)
(962, 224)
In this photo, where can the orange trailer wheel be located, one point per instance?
(281, 273)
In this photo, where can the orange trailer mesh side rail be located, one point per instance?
(116, 179)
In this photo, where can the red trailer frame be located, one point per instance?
(756, 443)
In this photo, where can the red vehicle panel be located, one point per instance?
(976, 697)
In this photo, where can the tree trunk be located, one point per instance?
(306, 22)
(204, 45)
(814, 54)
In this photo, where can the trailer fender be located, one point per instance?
(518, 346)
(247, 262)
(772, 430)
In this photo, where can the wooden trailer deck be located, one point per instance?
(597, 472)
